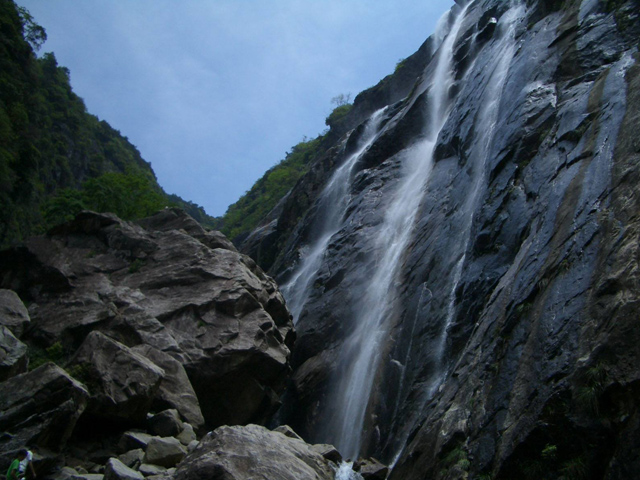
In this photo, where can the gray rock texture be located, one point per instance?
(162, 312)
(253, 451)
(116, 470)
(164, 451)
(41, 408)
(122, 383)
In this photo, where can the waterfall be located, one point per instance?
(487, 118)
(485, 131)
(332, 204)
(359, 357)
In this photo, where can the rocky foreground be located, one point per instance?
(122, 344)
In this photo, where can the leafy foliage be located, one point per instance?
(50, 145)
(129, 196)
(244, 215)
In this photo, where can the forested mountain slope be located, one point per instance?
(50, 146)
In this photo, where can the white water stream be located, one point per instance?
(332, 205)
(360, 354)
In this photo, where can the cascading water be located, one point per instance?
(487, 117)
(486, 124)
(332, 205)
(359, 356)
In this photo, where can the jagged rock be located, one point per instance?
(187, 435)
(178, 219)
(164, 451)
(88, 476)
(122, 383)
(132, 458)
(329, 452)
(175, 389)
(116, 470)
(13, 355)
(253, 452)
(371, 469)
(287, 431)
(149, 470)
(165, 288)
(165, 424)
(134, 440)
(39, 408)
(13, 313)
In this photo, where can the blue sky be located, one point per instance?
(215, 92)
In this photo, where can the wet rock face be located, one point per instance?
(155, 315)
(524, 247)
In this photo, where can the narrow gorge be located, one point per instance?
(451, 288)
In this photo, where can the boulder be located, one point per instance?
(13, 313)
(122, 383)
(187, 435)
(147, 469)
(39, 408)
(329, 452)
(371, 469)
(13, 355)
(132, 458)
(164, 451)
(175, 389)
(165, 424)
(134, 440)
(252, 451)
(116, 470)
(287, 431)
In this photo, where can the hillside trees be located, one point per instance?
(50, 144)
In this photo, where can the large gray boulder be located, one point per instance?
(40, 409)
(116, 470)
(175, 391)
(164, 451)
(238, 453)
(122, 383)
(13, 313)
(169, 290)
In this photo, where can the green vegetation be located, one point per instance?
(594, 383)
(53, 153)
(38, 356)
(244, 215)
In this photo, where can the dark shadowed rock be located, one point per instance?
(253, 452)
(165, 424)
(39, 409)
(371, 469)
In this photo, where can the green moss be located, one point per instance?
(39, 356)
(136, 265)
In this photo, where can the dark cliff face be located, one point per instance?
(508, 339)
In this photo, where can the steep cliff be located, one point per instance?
(462, 265)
